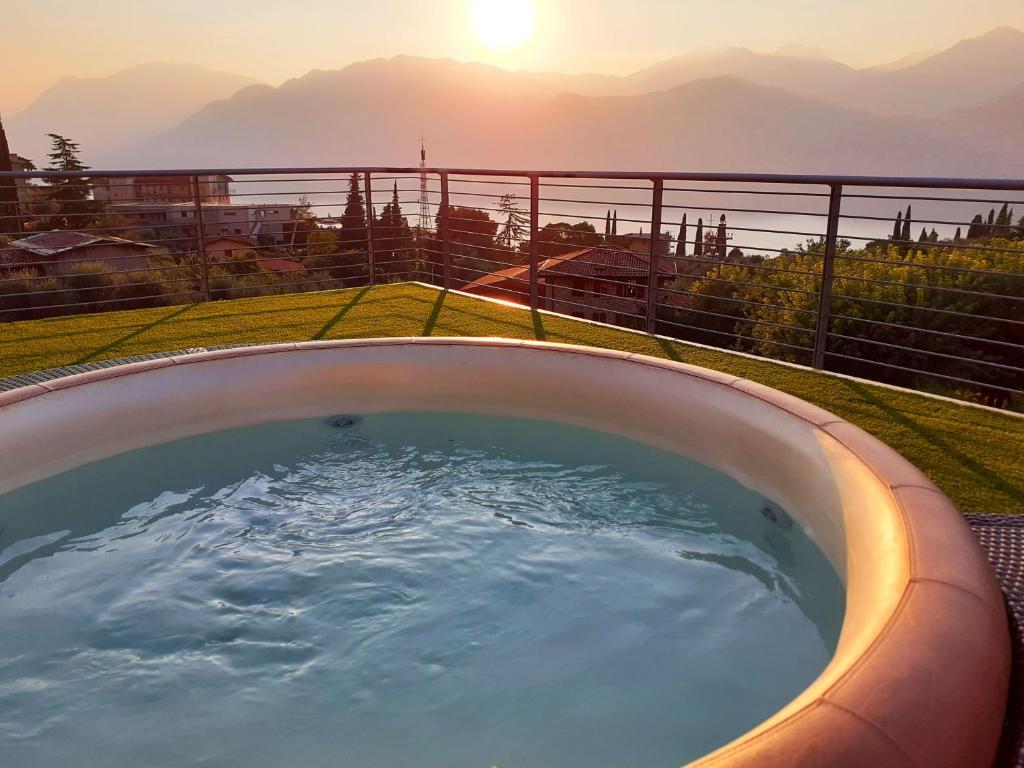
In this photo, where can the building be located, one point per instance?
(224, 247)
(21, 164)
(59, 252)
(608, 285)
(213, 189)
(268, 224)
(638, 242)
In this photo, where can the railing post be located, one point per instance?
(652, 267)
(446, 241)
(534, 256)
(204, 260)
(371, 261)
(835, 202)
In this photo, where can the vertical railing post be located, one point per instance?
(371, 261)
(534, 234)
(446, 240)
(652, 267)
(835, 202)
(204, 260)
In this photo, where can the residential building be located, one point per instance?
(59, 252)
(608, 285)
(177, 223)
(21, 164)
(213, 189)
(224, 247)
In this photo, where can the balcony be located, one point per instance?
(817, 287)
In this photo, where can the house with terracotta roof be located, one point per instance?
(608, 285)
(59, 252)
(222, 247)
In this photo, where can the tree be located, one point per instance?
(353, 220)
(681, 240)
(722, 238)
(615, 223)
(70, 196)
(515, 222)
(905, 234)
(608, 223)
(977, 228)
(392, 236)
(698, 240)
(924, 235)
(561, 237)
(10, 220)
(958, 237)
(897, 229)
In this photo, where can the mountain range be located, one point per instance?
(957, 112)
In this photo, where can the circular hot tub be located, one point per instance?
(920, 666)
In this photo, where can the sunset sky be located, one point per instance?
(273, 41)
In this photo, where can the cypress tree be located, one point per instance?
(906, 227)
(698, 239)
(957, 237)
(723, 238)
(608, 223)
(933, 236)
(615, 223)
(1005, 218)
(353, 220)
(924, 235)
(990, 225)
(10, 221)
(681, 240)
(977, 228)
(897, 229)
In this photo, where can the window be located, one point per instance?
(238, 231)
(576, 288)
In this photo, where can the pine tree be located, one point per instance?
(71, 196)
(10, 220)
(924, 235)
(698, 239)
(681, 240)
(990, 224)
(608, 223)
(897, 229)
(905, 235)
(353, 220)
(957, 237)
(392, 235)
(515, 225)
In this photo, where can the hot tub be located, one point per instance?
(920, 669)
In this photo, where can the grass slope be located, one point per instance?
(972, 454)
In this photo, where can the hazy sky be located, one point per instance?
(276, 39)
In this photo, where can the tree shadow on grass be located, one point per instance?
(340, 314)
(538, 325)
(94, 354)
(435, 312)
(991, 477)
(670, 350)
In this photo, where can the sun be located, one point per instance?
(502, 23)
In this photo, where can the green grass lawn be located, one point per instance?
(974, 455)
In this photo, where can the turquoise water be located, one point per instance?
(408, 589)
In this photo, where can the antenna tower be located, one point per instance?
(424, 199)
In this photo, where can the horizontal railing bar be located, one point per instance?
(921, 265)
(932, 331)
(738, 319)
(918, 350)
(735, 335)
(973, 384)
(754, 178)
(919, 308)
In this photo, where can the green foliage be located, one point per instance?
(353, 220)
(915, 309)
(70, 197)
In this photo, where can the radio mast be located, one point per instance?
(424, 199)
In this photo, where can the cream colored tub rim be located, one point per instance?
(895, 522)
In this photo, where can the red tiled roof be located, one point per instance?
(608, 263)
(13, 257)
(240, 239)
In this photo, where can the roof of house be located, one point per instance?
(594, 262)
(12, 257)
(240, 239)
(58, 240)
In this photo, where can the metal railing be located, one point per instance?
(824, 271)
